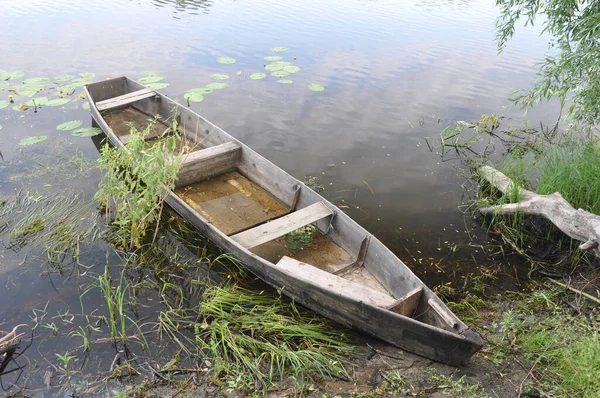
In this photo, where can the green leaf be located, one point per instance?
(151, 79)
(273, 67)
(28, 91)
(315, 87)
(37, 102)
(226, 60)
(273, 58)
(88, 75)
(73, 124)
(80, 82)
(4, 104)
(217, 86)
(86, 132)
(86, 106)
(4, 84)
(63, 78)
(157, 86)
(32, 140)
(58, 102)
(279, 73)
(279, 49)
(257, 76)
(219, 76)
(149, 73)
(193, 97)
(291, 68)
(67, 89)
(201, 90)
(285, 81)
(36, 81)
(16, 75)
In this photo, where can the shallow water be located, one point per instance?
(394, 73)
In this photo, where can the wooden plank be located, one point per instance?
(408, 304)
(444, 314)
(125, 99)
(274, 229)
(334, 283)
(209, 162)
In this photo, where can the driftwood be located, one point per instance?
(582, 293)
(11, 340)
(576, 223)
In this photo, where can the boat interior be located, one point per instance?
(268, 212)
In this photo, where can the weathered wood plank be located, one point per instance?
(125, 99)
(334, 283)
(444, 314)
(206, 163)
(286, 224)
(408, 304)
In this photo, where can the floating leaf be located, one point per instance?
(315, 87)
(37, 102)
(279, 73)
(157, 86)
(225, 60)
(88, 75)
(73, 124)
(149, 73)
(63, 78)
(273, 67)
(4, 85)
(217, 86)
(86, 106)
(291, 68)
(27, 91)
(219, 76)
(36, 81)
(58, 102)
(279, 49)
(86, 132)
(4, 104)
(80, 82)
(67, 89)
(285, 81)
(151, 79)
(4, 75)
(202, 90)
(257, 76)
(273, 58)
(193, 97)
(16, 75)
(239, 72)
(32, 140)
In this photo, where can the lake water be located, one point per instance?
(394, 72)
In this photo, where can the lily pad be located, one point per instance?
(16, 75)
(73, 124)
(157, 86)
(149, 73)
(279, 49)
(273, 58)
(285, 81)
(28, 91)
(257, 76)
(316, 87)
(202, 90)
(279, 73)
(219, 76)
(217, 86)
(151, 79)
(4, 104)
(193, 97)
(37, 102)
(36, 81)
(88, 75)
(273, 67)
(239, 72)
(226, 60)
(4, 84)
(63, 78)
(80, 82)
(58, 102)
(86, 106)
(32, 140)
(67, 89)
(86, 132)
(4, 75)
(291, 68)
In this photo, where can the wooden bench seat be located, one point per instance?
(281, 226)
(404, 306)
(125, 99)
(209, 162)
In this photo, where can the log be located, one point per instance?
(11, 340)
(578, 224)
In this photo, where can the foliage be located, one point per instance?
(301, 237)
(573, 66)
(137, 179)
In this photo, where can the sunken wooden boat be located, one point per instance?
(247, 205)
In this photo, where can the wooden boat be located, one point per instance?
(247, 206)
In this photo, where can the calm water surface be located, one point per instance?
(394, 73)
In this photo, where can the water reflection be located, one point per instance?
(185, 6)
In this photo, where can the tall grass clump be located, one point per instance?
(136, 180)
